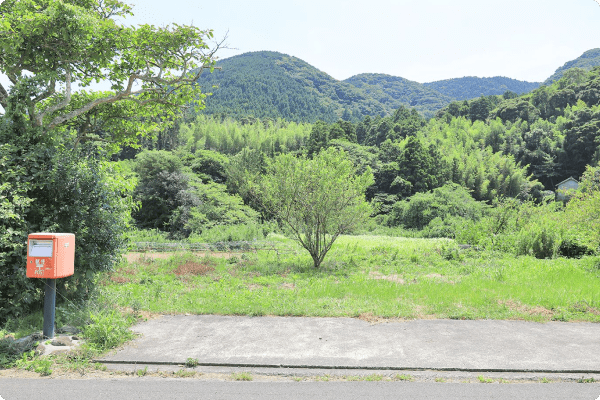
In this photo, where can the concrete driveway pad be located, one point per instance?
(485, 345)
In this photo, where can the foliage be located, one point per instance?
(55, 141)
(395, 92)
(244, 172)
(173, 199)
(144, 64)
(248, 231)
(107, 329)
(470, 87)
(439, 209)
(318, 199)
(230, 137)
(586, 61)
(216, 207)
(583, 215)
(366, 275)
(543, 230)
(83, 195)
(57, 190)
(163, 188)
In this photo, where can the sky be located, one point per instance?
(420, 40)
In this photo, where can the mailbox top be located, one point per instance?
(47, 235)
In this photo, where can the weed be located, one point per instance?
(297, 379)
(409, 378)
(586, 380)
(476, 287)
(182, 373)
(100, 367)
(373, 378)
(29, 362)
(191, 362)
(483, 379)
(107, 330)
(544, 380)
(323, 378)
(241, 376)
(142, 372)
(441, 380)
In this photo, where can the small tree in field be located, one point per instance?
(317, 200)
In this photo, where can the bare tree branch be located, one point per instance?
(3, 97)
(166, 86)
(65, 102)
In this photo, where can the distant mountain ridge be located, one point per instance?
(395, 91)
(587, 61)
(268, 84)
(470, 87)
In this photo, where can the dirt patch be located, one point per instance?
(523, 309)
(119, 279)
(392, 278)
(193, 268)
(372, 319)
(288, 286)
(148, 256)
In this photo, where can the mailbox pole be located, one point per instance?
(50, 256)
(49, 307)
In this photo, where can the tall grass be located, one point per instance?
(365, 275)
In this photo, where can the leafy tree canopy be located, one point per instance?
(49, 46)
(317, 200)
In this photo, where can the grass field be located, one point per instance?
(362, 276)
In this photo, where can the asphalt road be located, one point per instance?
(164, 388)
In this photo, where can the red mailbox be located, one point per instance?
(50, 255)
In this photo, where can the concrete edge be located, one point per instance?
(330, 367)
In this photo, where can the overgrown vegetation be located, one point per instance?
(365, 277)
(477, 180)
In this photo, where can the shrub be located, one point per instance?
(438, 211)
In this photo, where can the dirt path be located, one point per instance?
(137, 256)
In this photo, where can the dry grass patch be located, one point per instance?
(120, 279)
(194, 268)
(392, 278)
(288, 286)
(524, 309)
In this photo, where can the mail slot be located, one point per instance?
(50, 255)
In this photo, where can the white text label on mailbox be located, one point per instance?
(40, 248)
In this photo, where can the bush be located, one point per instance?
(234, 233)
(107, 329)
(438, 211)
(56, 190)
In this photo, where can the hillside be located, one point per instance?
(587, 61)
(393, 91)
(470, 87)
(268, 84)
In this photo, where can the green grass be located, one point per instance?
(241, 376)
(102, 325)
(368, 276)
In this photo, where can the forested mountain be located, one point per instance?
(267, 84)
(586, 61)
(394, 92)
(471, 87)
